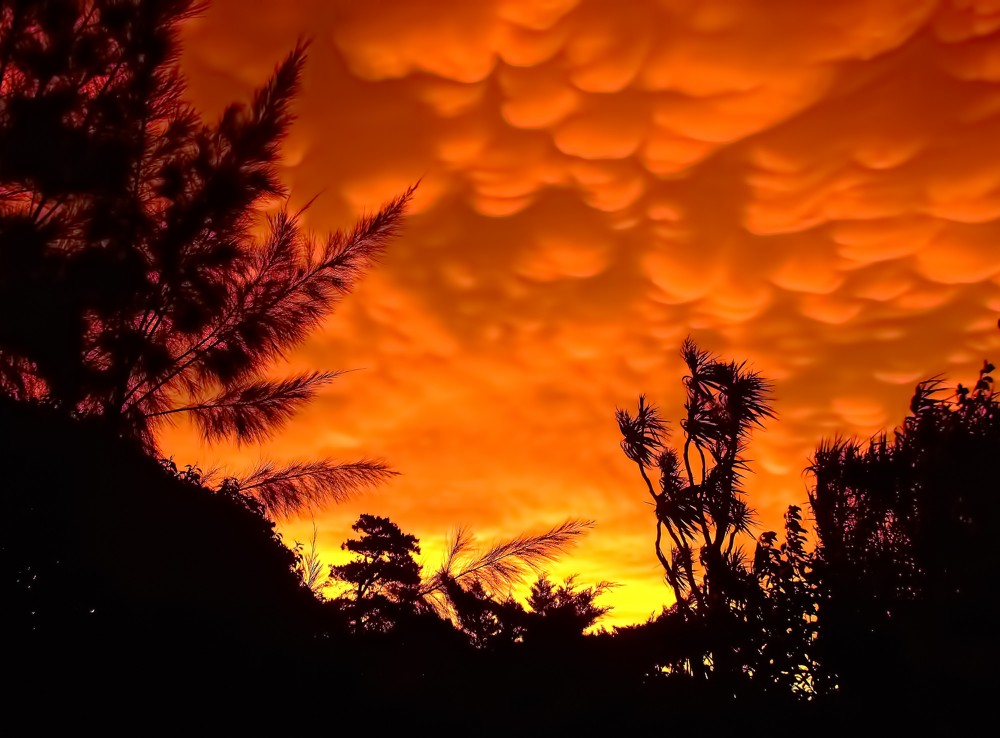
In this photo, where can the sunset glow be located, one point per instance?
(812, 187)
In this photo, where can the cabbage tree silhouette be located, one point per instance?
(698, 502)
(136, 281)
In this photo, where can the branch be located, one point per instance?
(505, 563)
(287, 490)
(252, 412)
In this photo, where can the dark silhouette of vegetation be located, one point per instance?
(907, 550)
(141, 281)
(133, 286)
(889, 613)
(148, 271)
(384, 565)
(384, 576)
(561, 612)
(495, 624)
(700, 508)
(120, 573)
(472, 589)
(460, 632)
(786, 609)
(502, 564)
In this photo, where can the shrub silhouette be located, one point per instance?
(119, 574)
(891, 613)
(907, 551)
(787, 611)
(471, 590)
(563, 612)
(482, 577)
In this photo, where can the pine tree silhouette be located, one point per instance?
(132, 284)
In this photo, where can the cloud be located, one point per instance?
(813, 188)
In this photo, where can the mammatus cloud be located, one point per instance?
(812, 187)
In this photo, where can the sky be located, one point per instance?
(810, 186)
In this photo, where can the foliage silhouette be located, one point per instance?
(890, 615)
(561, 612)
(472, 589)
(148, 271)
(118, 573)
(556, 616)
(494, 623)
(136, 283)
(699, 506)
(906, 553)
(309, 565)
(384, 576)
(492, 571)
(787, 611)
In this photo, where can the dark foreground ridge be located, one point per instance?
(135, 287)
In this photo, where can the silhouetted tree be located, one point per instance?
(133, 285)
(557, 614)
(699, 505)
(907, 551)
(490, 622)
(471, 590)
(561, 612)
(384, 576)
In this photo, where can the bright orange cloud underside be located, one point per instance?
(811, 186)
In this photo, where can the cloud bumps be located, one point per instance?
(814, 187)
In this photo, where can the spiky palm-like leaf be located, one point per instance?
(681, 509)
(684, 560)
(642, 435)
(924, 395)
(743, 518)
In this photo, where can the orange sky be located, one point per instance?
(811, 186)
